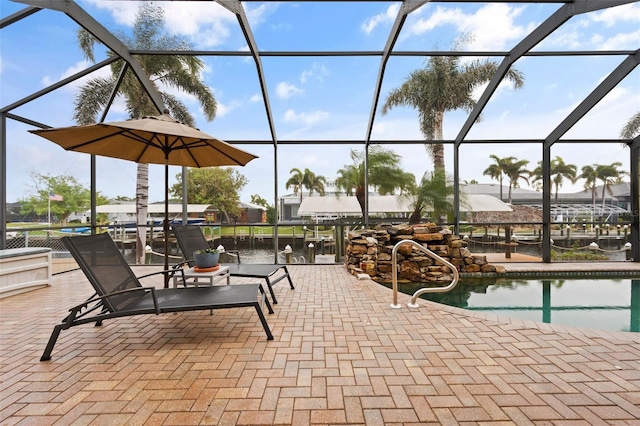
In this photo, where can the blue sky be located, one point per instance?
(319, 98)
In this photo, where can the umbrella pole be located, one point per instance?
(166, 220)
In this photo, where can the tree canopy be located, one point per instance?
(385, 174)
(306, 179)
(515, 170)
(558, 172)
(509, 167)
(444, 84)
(632, 128)
(67, 193)
(271, 211)
(496, 170)
(609, 174)
(218, 186)
(182, 72)
(435, 191)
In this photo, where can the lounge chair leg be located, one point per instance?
(265, 299)
(289, 278)
(46, 356)
(263, 320)
(273, 295)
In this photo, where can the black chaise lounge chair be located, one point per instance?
(191, 238)
(120, 294)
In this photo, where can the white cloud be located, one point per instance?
(613, 15)
(47, 80)
(387, 17)
(123, 12)
(285, 90)
(118, 106)
(206, 23)
(592, 31)
(493, 25)
(258, 15)
(618, 41)
(506, 86)
(441, 16)
(568, 38)
(400, 128)
(307, 119)
(256, 98)
(224, 109)
(317, 71)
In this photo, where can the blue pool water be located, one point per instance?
(599, 303)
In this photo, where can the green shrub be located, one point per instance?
(577, 255)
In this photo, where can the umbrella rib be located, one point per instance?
(121, 131)
(89, 142)
(146, 142)
(202, 143)
(188, 147)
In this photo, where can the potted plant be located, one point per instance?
(206, 258)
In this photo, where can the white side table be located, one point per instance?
(192, 277)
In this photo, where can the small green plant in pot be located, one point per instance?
(206, 258)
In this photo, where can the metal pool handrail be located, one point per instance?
(394, 272)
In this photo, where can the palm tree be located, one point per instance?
(296, 181)
(515, 170)
(176, 71)
(435, 190)
(558, 172)
(385, 174)
(590, 175)
(444, 84)
(306, 179)
(632, 128)
(496, 170)
(317, 183)
(609, 175)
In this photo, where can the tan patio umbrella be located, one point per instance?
(153, 140)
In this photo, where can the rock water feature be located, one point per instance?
(369, 251)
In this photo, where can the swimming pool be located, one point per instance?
(599, 303)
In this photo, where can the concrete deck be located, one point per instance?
(341, 355)
(522, 263)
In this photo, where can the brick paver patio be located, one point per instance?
(341, 355)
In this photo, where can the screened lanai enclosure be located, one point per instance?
(304, 85)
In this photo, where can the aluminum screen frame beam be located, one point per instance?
(558, 18)
(615, 77)
(237, 9)
(405, 9)
(86, 21)
(566, 9)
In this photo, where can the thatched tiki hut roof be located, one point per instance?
(520, 214)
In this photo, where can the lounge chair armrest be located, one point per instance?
(168, 272)
(181, 264)
(165, 272)
(74, 311)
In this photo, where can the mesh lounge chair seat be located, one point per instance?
(120, 294)
(190, 239)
